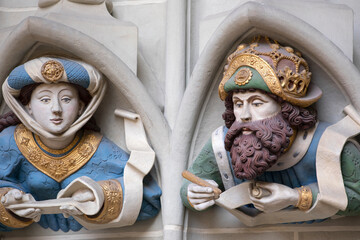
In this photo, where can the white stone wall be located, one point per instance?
(167, 38)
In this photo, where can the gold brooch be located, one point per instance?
(52, 70)
(243, 76)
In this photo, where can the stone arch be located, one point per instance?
(236, 25)
(35, 29)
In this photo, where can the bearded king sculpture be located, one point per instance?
(273, 161)
(56, 168)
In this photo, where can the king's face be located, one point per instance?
(252, 106)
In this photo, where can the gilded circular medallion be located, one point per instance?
(52, 70)
(243, 76)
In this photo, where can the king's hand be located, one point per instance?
(278, 196)
(201, 197)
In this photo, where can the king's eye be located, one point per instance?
(258, 104)
(239, 104)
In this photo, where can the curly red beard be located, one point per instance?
(251, 155)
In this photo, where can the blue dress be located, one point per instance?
(107, 162)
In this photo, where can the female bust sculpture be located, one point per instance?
(53, 141)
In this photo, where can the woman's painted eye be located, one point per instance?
(45, 100)
(66, 99)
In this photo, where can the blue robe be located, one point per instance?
(108, 162)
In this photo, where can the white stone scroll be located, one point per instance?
(332, 196)
(52, 206)
(142, 158)
(222, 160)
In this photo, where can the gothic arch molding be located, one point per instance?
(236, 25)
(35, 29)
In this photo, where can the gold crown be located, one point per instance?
(284, 71)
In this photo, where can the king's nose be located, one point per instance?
(245, 114)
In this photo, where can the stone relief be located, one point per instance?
(135, 68)
(57, 169)
(274, 161)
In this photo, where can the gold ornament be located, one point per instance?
(305, 198)
(113, 198)
(243, 76)
(52, 70)
(290, 84)
(294, 83)
(58, 168)
(264, 69)
(9, 219)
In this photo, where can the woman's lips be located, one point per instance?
(56, 121)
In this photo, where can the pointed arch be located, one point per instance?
(236, 25)
(35, 29)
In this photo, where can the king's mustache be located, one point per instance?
(238, 127)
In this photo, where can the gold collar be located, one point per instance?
(58, 168)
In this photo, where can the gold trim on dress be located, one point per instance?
(58, 168)
(58, 151)
(113, 198)
(9, 219)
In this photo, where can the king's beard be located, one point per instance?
(252, 154)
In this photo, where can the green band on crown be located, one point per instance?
(255, 81)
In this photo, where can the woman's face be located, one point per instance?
(55, 106)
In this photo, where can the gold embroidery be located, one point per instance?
(9, 219)
(113, 198)
(58, 168)
(60, 151)
(52, 70)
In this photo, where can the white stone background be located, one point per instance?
(171, 36)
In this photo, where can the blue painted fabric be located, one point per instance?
(108, 162)
(19, 78)
(76, 73)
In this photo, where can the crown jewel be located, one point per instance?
(283, 69)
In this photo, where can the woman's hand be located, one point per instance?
(15, 196)
(274, 198)
(200, 197)
(82, 195)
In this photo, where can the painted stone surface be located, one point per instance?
(272, 157)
